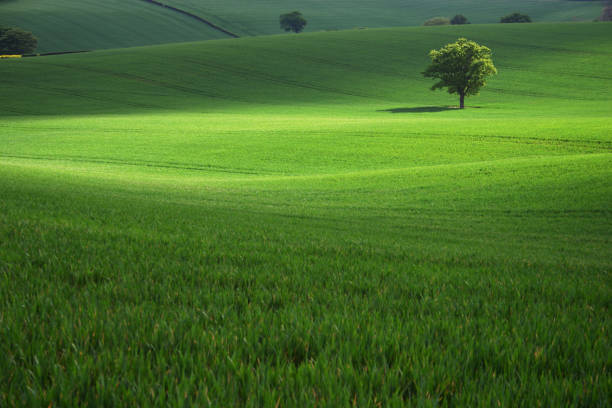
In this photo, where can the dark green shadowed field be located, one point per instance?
(69, 25)
(248, 17)
(298, 221)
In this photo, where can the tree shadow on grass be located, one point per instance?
(423, 109)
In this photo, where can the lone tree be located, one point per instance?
(515, 18)
(462, 67)
(606, 14)
(459, 19)
(14, 40)
(293, 21)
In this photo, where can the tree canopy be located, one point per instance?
(459, 19)
(14, 40)
(606, 14)
(462, 67)
(293, 21)
(515, 18)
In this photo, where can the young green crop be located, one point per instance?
(208, 225)
(71, 25)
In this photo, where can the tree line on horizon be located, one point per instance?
(15, 41)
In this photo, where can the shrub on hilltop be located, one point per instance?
(437, 21)
(515, 18)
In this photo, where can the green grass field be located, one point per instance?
(68, 25)
(247, 17)
(63, 25)
(299, 221)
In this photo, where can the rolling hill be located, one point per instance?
(298, 221)
(65, 25)
(247, 17)
(69, 25)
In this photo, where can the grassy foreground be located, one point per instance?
(298, 221)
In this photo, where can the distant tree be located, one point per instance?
(14, 40)
(459, 19)
(606, 14)
(437, 21)
(462, 67)
(515, 18)
(293, 21)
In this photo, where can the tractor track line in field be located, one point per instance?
(191, 15)
(156, 82)
(61, 91)
(245, 73)
(136, 163)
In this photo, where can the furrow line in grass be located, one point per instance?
(591, 143)
(535, 94)
(379, 70)
(604, 144)
(69, 92)
(12, 110)
(390, 171)
(193, 16)
(249, 74)
(547, 48)
(139, 163)
(156, 82)
(267, 176)
(84, 95)
(552, 73)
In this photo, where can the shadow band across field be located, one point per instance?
(420, 109)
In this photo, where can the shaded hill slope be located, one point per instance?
(556, 63)
(62, 25)
(247, 17)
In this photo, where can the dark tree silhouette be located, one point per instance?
(515, 18)
(14, 40)
(459, 19)
(293, 21)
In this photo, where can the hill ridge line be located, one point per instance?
(188, 14)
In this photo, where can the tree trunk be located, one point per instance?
(461, 101)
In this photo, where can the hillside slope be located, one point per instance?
(248, 17)
(548, 64)
(65, 25)
(299, 221)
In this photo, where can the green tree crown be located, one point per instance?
(293, 21)
(459, 19)
(515, 18)
(462, 67)
(14, 40)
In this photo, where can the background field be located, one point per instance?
(69, 25)
(298, 220)
(248, 17)
(63, 25)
